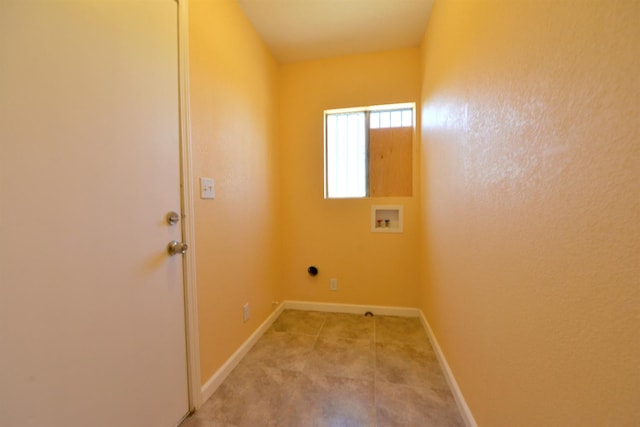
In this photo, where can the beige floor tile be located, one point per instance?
(400, 329)
(342, 357)
(331, 401)
(408, 364)
(401, 405)
(250, 396)
(282, 350)
(332, 369)
(299, 322)
(196, 421)
(352, 326)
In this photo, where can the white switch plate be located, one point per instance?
(245, 312)
(207, 188)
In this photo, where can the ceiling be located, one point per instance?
(300, 30)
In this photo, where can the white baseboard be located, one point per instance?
(221, 374)
(352, 308)
(465, 412)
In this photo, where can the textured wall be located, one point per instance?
(233, 110)
(371, 268)
(531, 178)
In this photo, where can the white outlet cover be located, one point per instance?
(207, 188)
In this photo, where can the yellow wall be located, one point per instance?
(233, 107)
(334, 235)
(531, 192)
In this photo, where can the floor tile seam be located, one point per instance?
(336, 339)
(304, 334)
(415, 387)
(299, 378)
(324, 321)
(310, 353)
(290, 399)
(415, 345)
(288, 332)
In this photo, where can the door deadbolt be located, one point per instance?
(173, 218)
(177, 248)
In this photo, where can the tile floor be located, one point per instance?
(329, 369)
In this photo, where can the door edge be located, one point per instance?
(187, 202)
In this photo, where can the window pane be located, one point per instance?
(346, 151)
(385, 119)
(374, 120)
(396, 119)
(407, 118)
(332, 154)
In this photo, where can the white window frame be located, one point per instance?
(358, 185)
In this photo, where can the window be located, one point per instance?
(346, 155)
(368, 151)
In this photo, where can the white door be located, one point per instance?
(92, 325)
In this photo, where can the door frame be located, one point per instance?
(188, 224)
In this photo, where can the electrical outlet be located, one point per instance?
(333, 284)
(245, 312)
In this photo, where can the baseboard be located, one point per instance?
(465, 412)
(221, 374)
(352, 308)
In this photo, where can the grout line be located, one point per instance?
(324, 320)
(289, 399)
(296, 383)
(313, 347)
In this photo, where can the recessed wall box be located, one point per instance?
(386, 219)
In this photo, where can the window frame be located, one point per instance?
(367, 127)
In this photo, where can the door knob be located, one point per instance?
(175, 248)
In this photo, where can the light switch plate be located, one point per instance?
(207, 188)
